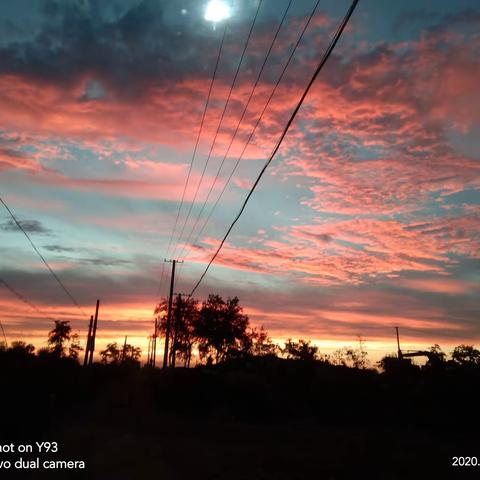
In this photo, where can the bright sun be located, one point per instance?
(217, 11)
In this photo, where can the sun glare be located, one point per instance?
(217, 11)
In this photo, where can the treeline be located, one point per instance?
(217, 330)
(463, 356)
(63, 344)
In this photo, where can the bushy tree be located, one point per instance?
(436, 357)
(466, 355)
(389, 363)
(59, 336)
(182, 330)
(111, 354)
(22, 348)
(301, 350)
(131, 353)
(221, 329)
(392, 365)
(61, 340)
(115, 354)
(218, 328)
(44, 352)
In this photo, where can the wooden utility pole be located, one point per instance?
(154, 345)
(94, 334)
(148, 351)
(124, 349)
(169, 316)
(176, 325)
(89, 341)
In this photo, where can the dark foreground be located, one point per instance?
(255, 419)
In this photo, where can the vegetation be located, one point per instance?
(185, 314)
(60, 340)
(116, 355)
(466, 355)
(220, 332)
(218, 328)
(300, 350)
(19, 347)
(299, 408)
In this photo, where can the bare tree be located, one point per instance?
(351, 357)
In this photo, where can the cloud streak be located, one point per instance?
(371, 208)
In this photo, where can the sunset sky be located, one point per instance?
(368, 217)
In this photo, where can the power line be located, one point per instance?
(159, 291)
(19, 225)
(4, 336)
(24, 300)
(232, 140)
(325, 57)
(272, 93)
(245, 47)
(239, 122)
(202, 121)
(177, 277)
(198, 137)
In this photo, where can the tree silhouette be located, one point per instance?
(185, 320)
(436, 357)
(184, 316)
(262, 344)
(74, 348)
(23, 348)
(221, 329)
(301, 350)
(59, 336)
(131, 353)
(466, 355)
(115, 355)
(111, 354)
(351, 357)
(389, 363)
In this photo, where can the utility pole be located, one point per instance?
(89, 341)
(94, 334)
(178, 314)
(176, 326)
(169, 313)
(124, 349)
(169, 316)
(148, 351)
(400, 355)
(154, 344)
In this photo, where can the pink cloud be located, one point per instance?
(12, 159)
(449, 286)
(354, 251)
(392, 103)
